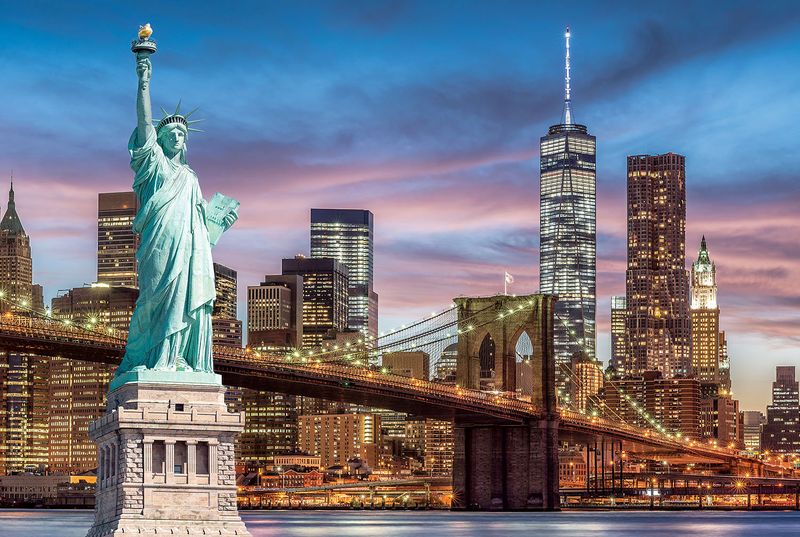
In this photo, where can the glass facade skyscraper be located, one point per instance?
(346, 235)
(567, 233)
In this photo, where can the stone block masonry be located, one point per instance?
(166, 462)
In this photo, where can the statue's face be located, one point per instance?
(175, 139)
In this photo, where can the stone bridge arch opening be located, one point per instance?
(507, 466)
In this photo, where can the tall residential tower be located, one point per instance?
(656, 282)
(567, 230)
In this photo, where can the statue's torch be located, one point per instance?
(144, 46)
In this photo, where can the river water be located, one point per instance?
(44, 523)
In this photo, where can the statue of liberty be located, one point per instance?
(171, 326)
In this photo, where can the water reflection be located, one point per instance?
(38, 523)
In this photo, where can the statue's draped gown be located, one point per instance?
(171, 325)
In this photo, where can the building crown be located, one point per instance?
(11, 222)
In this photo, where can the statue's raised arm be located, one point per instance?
(144, 113)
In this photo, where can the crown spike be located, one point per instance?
(194, 120)
(178, 108)
(164, 111)
(191, 129)
(190, 113)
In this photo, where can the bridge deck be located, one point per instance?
(363, 385)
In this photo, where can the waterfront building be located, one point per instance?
(619, 310)
(572, 470)
(116, 241)
(347, 236)
(439, 447)
(325, 296)
(339, 438)
(275, 312)
(781, 433)
(23, 377)
(270, 427)
(567, 232)
(77, 389)
(750, 430)
(656, 282)
(673, 403)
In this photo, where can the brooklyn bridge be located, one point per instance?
(506, 444)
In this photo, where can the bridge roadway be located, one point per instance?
(365, 386)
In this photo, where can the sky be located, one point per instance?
(428, 114)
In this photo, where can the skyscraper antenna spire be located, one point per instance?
(567, 98)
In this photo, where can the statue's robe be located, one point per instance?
(171, 325)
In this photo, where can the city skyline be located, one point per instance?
(730, 169)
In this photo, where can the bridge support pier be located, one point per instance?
(506, 467)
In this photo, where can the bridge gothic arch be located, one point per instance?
(502, 466)
(504, 319)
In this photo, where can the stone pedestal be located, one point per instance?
(165, 459)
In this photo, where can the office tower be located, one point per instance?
(227, 329)
(116, 242)
(567, 232)
(23, 377)
(338, 438)
(77, 389)
(275, 312)
(415, 364)
(781, 433)
(674, 403)
(346, 235)
(656, 282)
(619, 310)
(325, 296)
(704, 315)
(751, 423)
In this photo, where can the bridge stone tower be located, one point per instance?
(507, 466)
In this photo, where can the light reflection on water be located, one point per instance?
(38, 523)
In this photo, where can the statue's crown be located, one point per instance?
(173, 118)
(178, 118)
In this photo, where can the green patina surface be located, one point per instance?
(170, 332)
